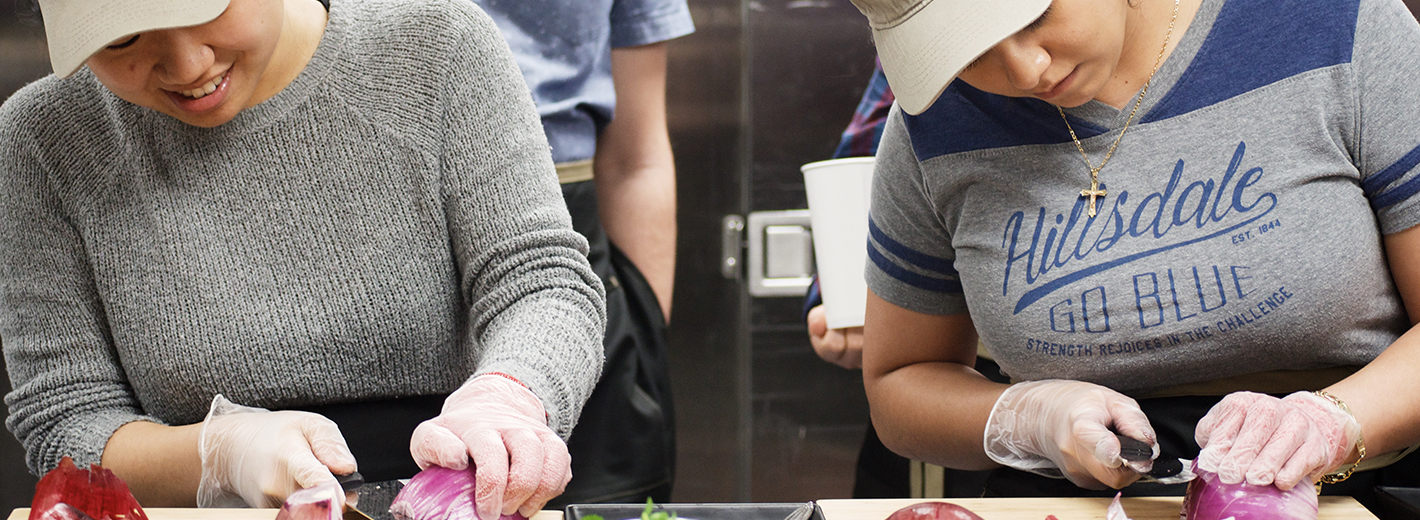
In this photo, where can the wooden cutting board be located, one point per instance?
(164, 513)
(1140, 508)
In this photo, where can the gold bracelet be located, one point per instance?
(1360, 444)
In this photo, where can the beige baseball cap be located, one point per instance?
(76, 29)
(924, 44)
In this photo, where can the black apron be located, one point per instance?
(623, 447)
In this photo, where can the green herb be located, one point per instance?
(592, 517)
(647, 513)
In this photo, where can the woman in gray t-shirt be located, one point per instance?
(1153, 199)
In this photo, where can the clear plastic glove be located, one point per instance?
(1062, 428)
(1267, 440)
(842, 347)
(253, 457)
(519, 462)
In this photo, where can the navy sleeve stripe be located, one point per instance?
(931, 263)
(1375, 183)
(925, 283)
(1400, 193)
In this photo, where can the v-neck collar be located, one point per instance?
(1102, 115)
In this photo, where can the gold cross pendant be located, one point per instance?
(1092, 193)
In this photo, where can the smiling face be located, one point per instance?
(207, 74)
(1066, 57)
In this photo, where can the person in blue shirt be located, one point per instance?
(597, 71)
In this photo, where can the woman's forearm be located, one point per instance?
(1384, 396)
(935, 412)
(928, 403)
(159, 463)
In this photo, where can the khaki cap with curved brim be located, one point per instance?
(76, 29)
(924, 44)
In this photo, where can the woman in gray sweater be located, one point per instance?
(289, 205)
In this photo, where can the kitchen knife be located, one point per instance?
(1167, 470)
(351, 483)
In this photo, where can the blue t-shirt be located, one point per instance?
(1242, 230)
(564, 51)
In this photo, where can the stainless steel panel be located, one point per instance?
(23, 55)
(23, 58)
(809, 61)
(761, 88)
(707, 338)
(765, 86)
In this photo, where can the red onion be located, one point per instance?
(933, 511)
(439, 494)
(67, 493)
(1208, 498)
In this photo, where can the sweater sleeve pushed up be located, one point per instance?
(70, 393)
(537, 309)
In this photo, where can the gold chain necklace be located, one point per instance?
(1094, 189)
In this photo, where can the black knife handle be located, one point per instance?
(1134, 450)
(351, 481)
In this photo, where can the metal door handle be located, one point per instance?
(780, 260)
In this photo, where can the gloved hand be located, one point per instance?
(1274, 441)
(253, 457)
(842, 347)
(1062, 428)
(519, 462)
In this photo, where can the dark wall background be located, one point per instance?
(23, 58)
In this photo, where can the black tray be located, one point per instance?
(762, 511)
(1398, 503)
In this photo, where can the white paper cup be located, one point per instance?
(838, 193)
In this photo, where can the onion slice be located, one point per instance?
(67, 493)
(314, 503)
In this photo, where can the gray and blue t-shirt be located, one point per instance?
(1242, 228)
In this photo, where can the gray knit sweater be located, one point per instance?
(388, 225)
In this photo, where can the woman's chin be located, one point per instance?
(208, 120)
